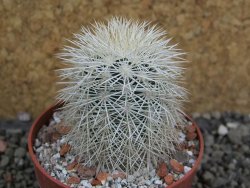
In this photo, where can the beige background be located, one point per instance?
(215, 33)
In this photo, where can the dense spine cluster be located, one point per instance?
(122, 94)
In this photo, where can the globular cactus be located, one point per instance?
(122, 94)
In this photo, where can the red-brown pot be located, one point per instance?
(47, 181)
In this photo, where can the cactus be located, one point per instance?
(122, 94)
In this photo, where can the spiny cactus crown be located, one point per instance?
(122, 95)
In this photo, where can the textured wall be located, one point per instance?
(215, 33)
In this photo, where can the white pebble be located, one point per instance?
(40, 156)
(191, 161)
(232, 125)
(182, 135)
(58, 167)
(23, 116)
(64, 171)
(46, 165)
(118, 180)
(130, 178)
(133, 185)
(181, 176)
(64, 163)
(109, 178)
(124, 182)
(187, 169)
(152, 173)
(85, 183)
(46, 144)
(51, 123)
(147, 182)
(38, 150)
(136, 174)
(190, 153)
(37, 143)
(63, 140)
(181, 140)
(222, 130)
(56, 117)
(157, 182)
(56, 156)
(118, 186)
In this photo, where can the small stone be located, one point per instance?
(58, 167)
(63, 129)
(4, 161)
(181, 156)
(182, 135)
(56, 117)
(55, 136)
(147, 182)
(191, 161)
(118, 186)
(20, 152)
(186, 169)
(73, 180)
(102, 177)
(65, 172)
(182, 146)
(118, 174)
(23, 116)
(235, 136)
(232, 125)
(209, 140)
(152, 173)
(176, 166)
(190, 128)
(130, 178)
(56, 156)
(72, 165)
(191, 135)
(118, 180)
(37, 143)
(157, 182)
(7, 177)
(222, 130)
(3, 146)
(85, 183)
(124, 182)
(162, 170)
(169, 179)
(96, 182)
(109, 178)
(86, 172)
(64, 149)
(206, 116)
(190, 153)
(216, 114)
(208, 177)
(204, 124)
(220, 182)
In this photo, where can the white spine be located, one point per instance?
(122, 94)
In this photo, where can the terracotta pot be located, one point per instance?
(47, 181)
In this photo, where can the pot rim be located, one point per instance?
(42, 170)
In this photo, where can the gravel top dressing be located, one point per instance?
(57, 158)
(225, 163)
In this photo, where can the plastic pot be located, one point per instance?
(47, 181)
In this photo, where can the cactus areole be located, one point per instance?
(121, 94)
